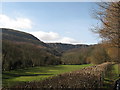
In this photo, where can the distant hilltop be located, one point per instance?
(23, 37)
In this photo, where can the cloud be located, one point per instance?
(46, 36)
(17, 23)
(68, 40)
(24, 24)
(53, 37)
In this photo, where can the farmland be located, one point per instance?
(88, 77)
(14, 77)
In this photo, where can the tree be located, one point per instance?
(109, 15)
(109, 31)
(22, 55)
(99, 55)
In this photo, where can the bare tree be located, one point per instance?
(109, 15)
(109, 31)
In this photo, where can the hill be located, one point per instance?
(26, 38)
(77, 55)
(21, 50)
(19, 36)
(65, 47)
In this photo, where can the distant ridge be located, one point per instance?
(23, 37)
(65, 47)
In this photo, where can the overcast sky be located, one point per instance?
(52, 22)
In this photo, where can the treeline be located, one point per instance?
(62, 47)
(22, 55)
(95, 54)
(76, 56)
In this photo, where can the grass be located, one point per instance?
(36, 73)
(111, 76)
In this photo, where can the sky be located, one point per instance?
(62, 22)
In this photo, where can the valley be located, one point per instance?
(29, 61)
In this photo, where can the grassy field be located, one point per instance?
(37, 73)
(111, 76)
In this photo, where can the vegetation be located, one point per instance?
(18, 36)
(109, 31)
(98, 55)
(21, 55)
(65, 47)
(111, 76)
(95, 54)
(109, 16)
(37, 73)
(22, 50)
(76, 56)
(88, 78)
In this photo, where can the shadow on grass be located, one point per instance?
(16, 75)
(9, 76)
(42, 69)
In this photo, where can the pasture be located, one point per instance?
(14, 77)
(89, 77)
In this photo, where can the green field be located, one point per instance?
(111, 76)
(37, 73)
